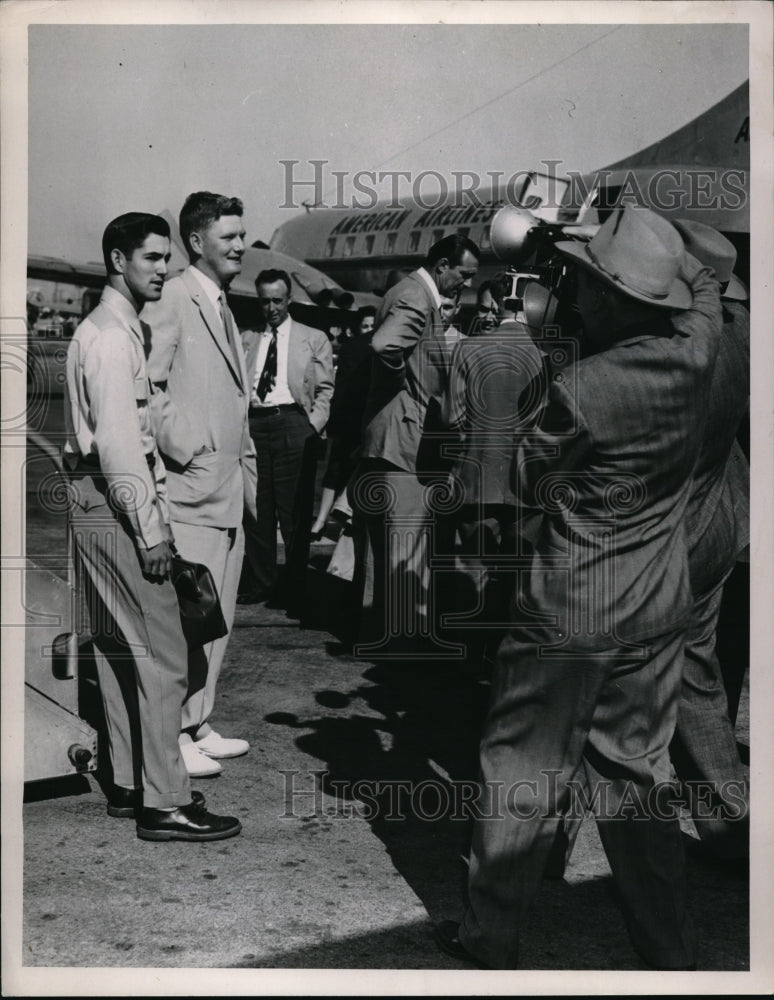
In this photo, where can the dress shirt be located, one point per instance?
(280, 395)
(217, 296)
(425, 276)
(107, 414)
(211, 290)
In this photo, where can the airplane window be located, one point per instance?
(330, 247)
(485, 240)
(369, 243)
(389, 244)
(437, 235)
(464, 231)
(349, 246)
(414, 239)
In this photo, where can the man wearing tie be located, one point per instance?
(290, 370)
(200, 410)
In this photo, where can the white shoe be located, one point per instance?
(196, 763)
(215, 745)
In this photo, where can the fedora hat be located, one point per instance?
(713, 249)
(639, 254)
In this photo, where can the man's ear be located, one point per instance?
(195, 242)
(118, 260)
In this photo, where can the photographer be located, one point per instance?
(588, 682)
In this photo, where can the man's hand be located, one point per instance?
(690, 268)
(156, 561)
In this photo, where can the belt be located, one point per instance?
(92, 462)
(271, 411)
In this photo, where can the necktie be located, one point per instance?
(228, 326)
(268, 377)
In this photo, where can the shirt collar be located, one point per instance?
(423, 275)
(211, 290)
(121, 306)
(283, 328)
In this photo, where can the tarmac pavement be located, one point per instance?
(326, 874)
(323, 876)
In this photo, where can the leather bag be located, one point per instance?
(200, 613)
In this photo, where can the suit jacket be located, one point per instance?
(310, 369)
(487, 402)
(610, 470)
(350, 390)
(200, 399)
(718, 514)
(409, 368)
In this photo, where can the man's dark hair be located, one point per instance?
(494, 288)
(200, 210)
(128, 232)
(363, 313)
(452, 247)
(272, 274)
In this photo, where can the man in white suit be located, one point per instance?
(290, 372)
(200, 409)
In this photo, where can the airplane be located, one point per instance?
(58, 286)
(700, 171)
(61, 292)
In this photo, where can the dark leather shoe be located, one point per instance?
(253, 596)
(123, 802)
(447, 938)
(657, 966)
(191, 822)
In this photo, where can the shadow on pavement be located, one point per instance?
(571, 927)
(401, 749)
(57, 788)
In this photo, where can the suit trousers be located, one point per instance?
(409, 535)
(140, 654)
(599, 722)
(221, 550)
(486, 577)
(286, 446)
(704, 748)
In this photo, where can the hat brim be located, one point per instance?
(735, 289)
(680, 295)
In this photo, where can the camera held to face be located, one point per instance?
(538, 283)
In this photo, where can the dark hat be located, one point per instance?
(639, 254)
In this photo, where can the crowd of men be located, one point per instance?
(582, 500)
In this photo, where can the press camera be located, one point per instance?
(538, 280)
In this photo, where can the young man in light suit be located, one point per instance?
(120, 526)
(200, 409)
(586, 684)
(290, 384)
